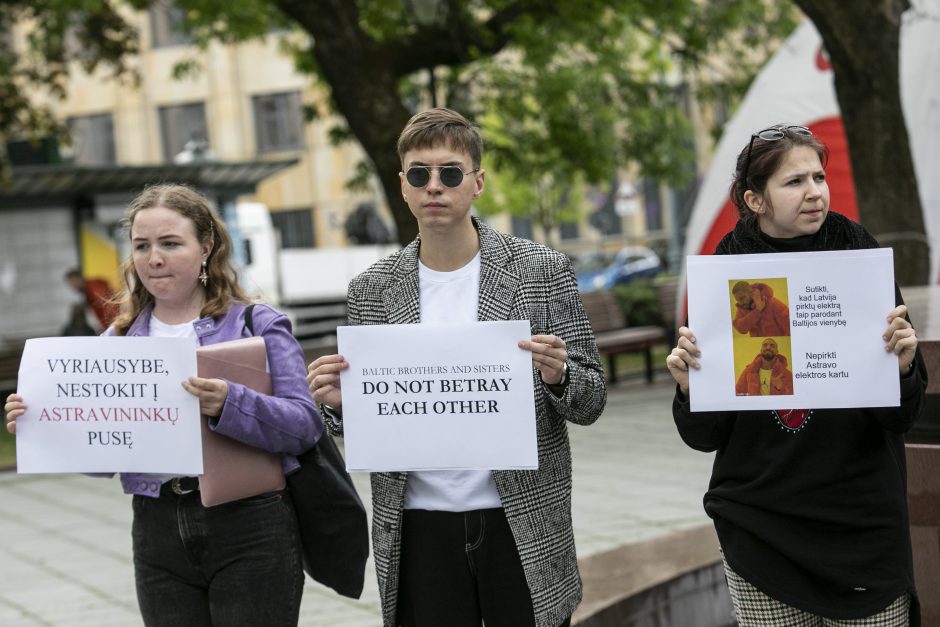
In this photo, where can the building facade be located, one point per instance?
(245, 102)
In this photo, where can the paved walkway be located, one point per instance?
(65, 539)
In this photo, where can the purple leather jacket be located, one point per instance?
(286, 422)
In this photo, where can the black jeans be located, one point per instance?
(236, 564)
(461, 568)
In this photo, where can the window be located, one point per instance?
(295, 227)
(652, 201)
(607, 216)
(522, 227)
(166, 25)
(93, 139)
(684, 199)
(180, 124)
(568, 230)
(279, 123)
(8, 39)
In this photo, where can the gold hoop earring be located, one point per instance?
(204, 276)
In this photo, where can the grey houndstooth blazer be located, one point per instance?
(519, 280)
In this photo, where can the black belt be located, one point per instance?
(182, 485)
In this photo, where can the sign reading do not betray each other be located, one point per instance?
(435, 397)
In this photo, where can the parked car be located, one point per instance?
(630, 263)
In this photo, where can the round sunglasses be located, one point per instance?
(450, 175)
(770, 135)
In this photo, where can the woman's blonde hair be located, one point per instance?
(222, 287)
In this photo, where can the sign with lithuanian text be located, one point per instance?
(108, 404)
(792, 330)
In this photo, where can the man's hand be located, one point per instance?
(549, 356)
(323, 380)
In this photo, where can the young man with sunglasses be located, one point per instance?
(459, 548)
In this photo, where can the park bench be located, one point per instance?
(10, 353)
(614, 336)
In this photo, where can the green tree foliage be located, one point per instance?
(90, 34)
(566, 92)
(640, 304)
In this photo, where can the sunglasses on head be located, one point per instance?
(772, 134)
(450, 175)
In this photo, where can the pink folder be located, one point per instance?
(231, 469)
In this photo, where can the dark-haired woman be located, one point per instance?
(238, 563)
(809, 504)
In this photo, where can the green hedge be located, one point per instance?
(640, 303)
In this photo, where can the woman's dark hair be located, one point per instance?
(760, 158)
(222, 287)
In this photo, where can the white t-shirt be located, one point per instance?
(158, 328)
(449, 297)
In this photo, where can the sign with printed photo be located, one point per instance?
(792, 330)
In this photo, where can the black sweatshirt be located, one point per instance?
(812, 510)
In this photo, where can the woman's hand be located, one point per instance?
(210, 392)
(323, 380)
(901, 338)
(13, 408)
(683, 357)
(549, 355)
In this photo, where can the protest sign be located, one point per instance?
(430, 396)
(792, 330)
(108, 404)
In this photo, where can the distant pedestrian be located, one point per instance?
(98, 296)
(461, 548)
(810, 505)
(77, 324)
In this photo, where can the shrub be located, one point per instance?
(639, 302)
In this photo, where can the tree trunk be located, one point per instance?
(863, 42)
(363, 84)
(363, 73)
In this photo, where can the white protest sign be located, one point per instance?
(792, 330)
(108, 404)
(430, 396)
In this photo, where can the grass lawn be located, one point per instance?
(7, 449)
(631, 365)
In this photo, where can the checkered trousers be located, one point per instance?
(753, 608)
